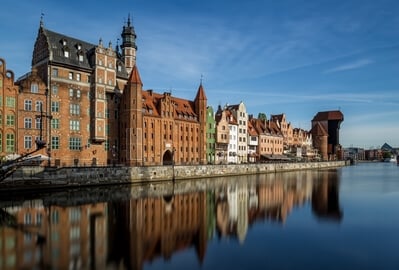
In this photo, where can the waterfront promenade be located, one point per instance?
(38, 177)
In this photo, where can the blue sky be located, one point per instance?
(288, 56)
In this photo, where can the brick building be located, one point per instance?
(8, 111)
(94, 109)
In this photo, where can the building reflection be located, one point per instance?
(131, 227)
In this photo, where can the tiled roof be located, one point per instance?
(251, 129)
(328, 115)
(183, 107)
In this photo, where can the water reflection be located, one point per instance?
(124, 227)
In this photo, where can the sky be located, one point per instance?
(296, 57)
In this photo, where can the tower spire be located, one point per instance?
(128, 45)
(41, 19)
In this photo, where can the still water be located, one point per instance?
(346, 218)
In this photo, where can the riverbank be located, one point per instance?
(27, 178)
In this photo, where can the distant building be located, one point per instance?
(325, 134)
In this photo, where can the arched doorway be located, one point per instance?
(167, 158)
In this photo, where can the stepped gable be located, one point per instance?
(183, 107)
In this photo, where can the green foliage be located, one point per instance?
(262, 116)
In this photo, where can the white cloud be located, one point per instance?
(353, 65)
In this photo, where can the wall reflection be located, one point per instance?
(126, 227)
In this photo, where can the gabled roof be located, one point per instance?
(230, 118)
(251, 129)
(277, 117)
(182, 107)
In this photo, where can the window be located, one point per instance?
(80, 56)
(55, 106)
(10, 143)
(28, 122)
(70, 75)
(55, 123)
(55, 72)
(74, 143)
(10, 102)
(78, 93)
(66, 53)
(34, 88)
(78, 76)
(27, 142)
(10, 120)
(38, 123)
(70, 92)
(55, 142)
(74, 125)
(28, 105)
(54, 89)
(39, 106)
(74, 109)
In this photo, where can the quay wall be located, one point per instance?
(122, 174)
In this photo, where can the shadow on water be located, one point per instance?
(129, 226)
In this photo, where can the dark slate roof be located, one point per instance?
(55, 42)
(56, 46)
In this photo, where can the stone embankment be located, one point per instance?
(82, 176)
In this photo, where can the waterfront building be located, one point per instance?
(286, 129)
(239, 112)
(325, 133)
(210, 135)
(253, 142)
(270, 139)
(8, 112)
(161, 129)
(232, 155)
(96, 111)
(32, 115)
(222, 135)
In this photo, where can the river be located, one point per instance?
(344, 218)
